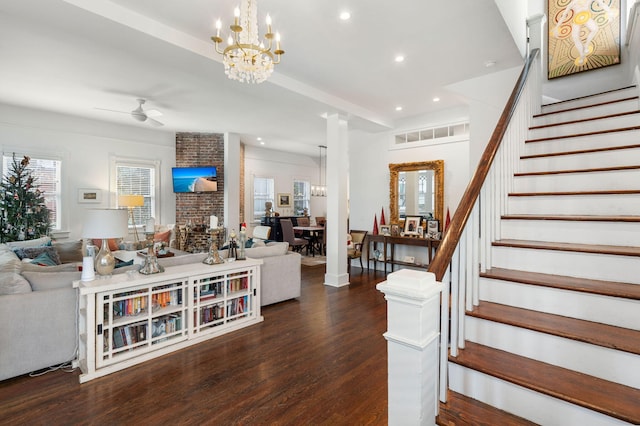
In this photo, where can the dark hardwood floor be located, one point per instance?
(317, 360)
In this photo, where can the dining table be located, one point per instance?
(314, 233)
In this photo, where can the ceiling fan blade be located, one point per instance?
(111, 110)
(153, 122)
(152, 113)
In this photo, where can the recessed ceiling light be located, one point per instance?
(261, 142)
(489, 64)
(436, 99)
(345, 16)
(398, 108)
(399, 58)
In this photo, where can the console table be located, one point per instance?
(130, 318)
(388, 249)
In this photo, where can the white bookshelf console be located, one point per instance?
(131, 318)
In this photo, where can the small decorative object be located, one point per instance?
(375, 225)
(409, 259)
(242, 241)
(305, 212)
(233, 248)
(382, 220)
(268, 209)
(214, 256)
(150, 265)
(385, 230)
(411, 224)
(420, 232)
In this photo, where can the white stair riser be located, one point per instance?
(607, 364)
(603, 97)
(614, 311)
(592, 181)
(617, 158)
(600, 140)
(575, 204)
(568, 231)
(592, 112)
(586, 126)
(534, 406)
(582, 265)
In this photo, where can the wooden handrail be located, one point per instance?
(451, 238)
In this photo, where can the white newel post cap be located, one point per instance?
(410, 283)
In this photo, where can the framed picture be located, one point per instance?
(583, 35)
(395, 230)
(385, 229)
(284, 200)
(89, 195)
(420, 231)
(411, 224)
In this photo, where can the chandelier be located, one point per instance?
(320, 190)
(246, 58)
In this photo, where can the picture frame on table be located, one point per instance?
(89, 195)
(395, 230)
(284, 200)
(411, 224)
(420, 231)
(385, 230)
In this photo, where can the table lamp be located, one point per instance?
(131, 201)
(105, 224)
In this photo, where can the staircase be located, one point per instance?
(555, 339)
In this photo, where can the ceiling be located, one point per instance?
(81, 57)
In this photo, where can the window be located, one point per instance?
(263, 191)
(138, 178)
(47, 172)
(301, 196)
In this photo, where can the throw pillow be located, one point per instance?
(9, 261)
(162, 237)
(44, 281)
(38, 242)
(13, 283)
(34, 252)
(43, 259)
(69, 251)
(122, 264)
(113, 244)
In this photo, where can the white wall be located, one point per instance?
(85, 146)
(284, 167)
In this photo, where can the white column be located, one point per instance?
(413, 317)
(337, 183)
(231, 181)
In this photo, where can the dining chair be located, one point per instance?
(355, 251)
(320, 220)
(301, 221)
(296, 244)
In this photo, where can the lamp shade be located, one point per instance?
(105, 223)
(130, 200)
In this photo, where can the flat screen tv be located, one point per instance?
(194, 179)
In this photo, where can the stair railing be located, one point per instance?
(465, 248)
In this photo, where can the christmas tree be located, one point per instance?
(24, 213)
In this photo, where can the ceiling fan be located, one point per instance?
(140, 114)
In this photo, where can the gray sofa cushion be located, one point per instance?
(9, 262)
(65, 267)
(271, 249)
(13, 283)
(47, 281)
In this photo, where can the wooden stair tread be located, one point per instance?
(576, 218)
(578, 135)
(580, 151)
(585, 120)
(605, 288)
(615, 101)
(553, 193)
(596, 394)
(460, 410)
(608, 336)
(590, 96)
(560, 172)
(581, 248)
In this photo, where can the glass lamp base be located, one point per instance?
(105, 261)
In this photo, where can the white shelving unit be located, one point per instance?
(130, 318)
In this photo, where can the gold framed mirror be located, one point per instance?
(422, 191)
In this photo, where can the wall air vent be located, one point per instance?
(431, 133)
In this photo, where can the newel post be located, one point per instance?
(413, 323)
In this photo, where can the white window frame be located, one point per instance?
(257, 215)
(306, 197)
(154, 192)
(56, 196)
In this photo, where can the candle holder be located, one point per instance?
(150, 265)
(214, 256)
(242, 242)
